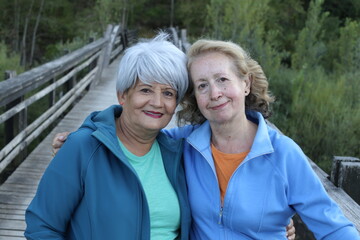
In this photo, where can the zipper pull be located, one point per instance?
(220, 215)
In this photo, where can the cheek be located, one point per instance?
(171, 107)
(201, 101)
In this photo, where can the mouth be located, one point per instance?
(153, 114)
(217, 107)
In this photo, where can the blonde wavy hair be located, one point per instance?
(259, 98)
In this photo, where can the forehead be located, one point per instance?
(211, 63)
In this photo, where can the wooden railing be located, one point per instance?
(62, 81)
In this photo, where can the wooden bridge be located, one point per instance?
(83, 81)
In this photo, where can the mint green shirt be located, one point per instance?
(163, 203)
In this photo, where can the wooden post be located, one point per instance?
(345, 174)
(104, 58)
(11, 126)
(185, 45)
(69, 84)
(52, 95)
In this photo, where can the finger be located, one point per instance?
(59, 139)
(291, 222)
(291, 233)
(292, 237)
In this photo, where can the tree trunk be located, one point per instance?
(17, 8)
(124, 14)
(33, 43)
(23, 42)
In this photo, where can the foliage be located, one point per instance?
(8, 61)
(324, 121)
(348, 47)
(309, 46)
(190, 15)
(61, 48)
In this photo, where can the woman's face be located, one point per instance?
(219, 92)
(149, 107)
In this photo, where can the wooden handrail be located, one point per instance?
(85, 65)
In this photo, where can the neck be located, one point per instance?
(233, 137)
(137, 141)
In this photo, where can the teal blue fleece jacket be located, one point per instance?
(90, 191)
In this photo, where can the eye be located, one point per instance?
(145, 90)
(222, 79)
(202, 86)
(169, 93)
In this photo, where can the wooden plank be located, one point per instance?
(12, 234)
(6, 234)
(12, 216)
(9, 224)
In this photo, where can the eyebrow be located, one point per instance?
(216, 75)
(151, 86)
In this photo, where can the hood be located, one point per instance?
(102, 125)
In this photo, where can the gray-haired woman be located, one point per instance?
(117, 176)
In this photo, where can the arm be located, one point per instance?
(59, 192)
(310, 200)
(180, 132)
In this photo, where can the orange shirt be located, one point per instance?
(225, 165)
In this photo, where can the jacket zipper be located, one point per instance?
(220, 215)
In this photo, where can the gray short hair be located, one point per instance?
(157, 60)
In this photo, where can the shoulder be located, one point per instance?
(287, 153)
(180, 132)
(77, 151)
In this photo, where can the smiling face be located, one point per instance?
(219, 92)
(148, 106)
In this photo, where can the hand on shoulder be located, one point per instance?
(58, 141)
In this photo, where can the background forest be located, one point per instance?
(309, 49)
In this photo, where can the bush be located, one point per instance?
(8, 61)
(323, 119)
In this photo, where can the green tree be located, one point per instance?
(310, 47)
(8, 61)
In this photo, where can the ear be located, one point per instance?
(121, 98)
(248, 82)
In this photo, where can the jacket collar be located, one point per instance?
(103, 124)
(200, 137)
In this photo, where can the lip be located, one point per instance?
(217, 107)
(153, 114)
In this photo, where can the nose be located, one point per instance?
(156, 99)
(215, 92)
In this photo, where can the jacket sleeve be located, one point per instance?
(59, 192)
(308, 197)
(179, 132)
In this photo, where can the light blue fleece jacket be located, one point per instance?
(274, 182)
